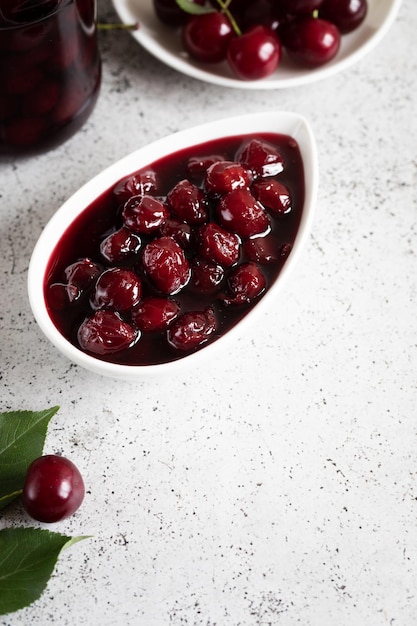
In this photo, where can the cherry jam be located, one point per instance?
(50, 72)
(172, 256)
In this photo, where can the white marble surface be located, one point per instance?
(277, 487)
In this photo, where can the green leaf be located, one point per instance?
(194, 9)
(27, 559)
(22, 437)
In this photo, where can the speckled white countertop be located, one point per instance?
(278, 486)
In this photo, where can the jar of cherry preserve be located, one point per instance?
(50, 72)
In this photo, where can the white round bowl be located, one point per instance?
(164, 43)
(275, 122)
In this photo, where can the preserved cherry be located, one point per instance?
(192, 329)
(105, 332)
(240, 212)
(246, 282)
(166, 265)
(116, 288)
(155, 313)
(148, 278)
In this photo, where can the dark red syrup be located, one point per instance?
(266, 252)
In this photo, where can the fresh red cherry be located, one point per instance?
(104, 332)
(347, 15)
(192, 329)
(300, 7)
(188, 202)
(255, 54)
(236, 7)
(311, 41)
(165, 264)
(241, 213)
(170, 13)
(265, 12)
(206, 37)
(117, 288)
(53, 489)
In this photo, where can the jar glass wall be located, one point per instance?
(50, 71)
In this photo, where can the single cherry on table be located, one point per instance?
(53, 489)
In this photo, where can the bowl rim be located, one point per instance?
(280, 122)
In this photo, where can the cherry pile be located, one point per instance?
(253, 36)
(175, 254)
(50, 71)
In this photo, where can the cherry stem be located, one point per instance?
(14, 494)
(102, 26)
(225, 9)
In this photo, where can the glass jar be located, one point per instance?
(50, 71)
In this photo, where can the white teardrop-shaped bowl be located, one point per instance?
(281, 122)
